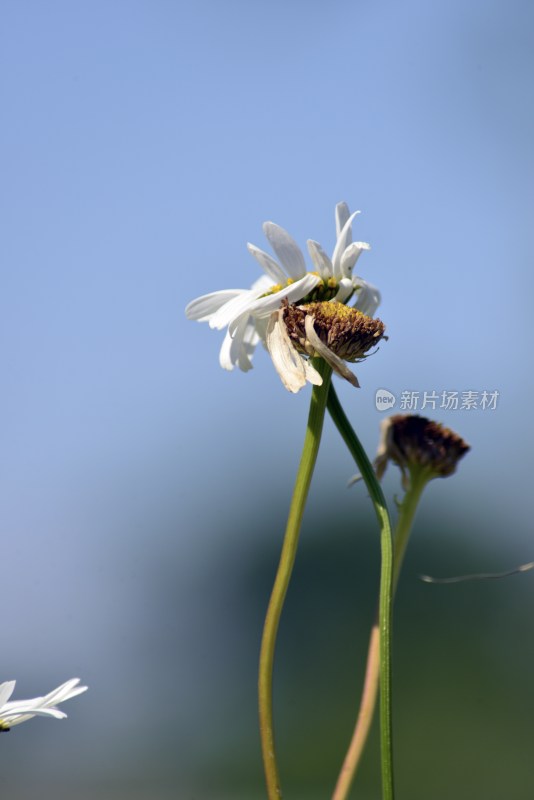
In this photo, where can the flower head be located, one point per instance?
(331, 330)
(246, 312)
(418, 445)
(15, 712)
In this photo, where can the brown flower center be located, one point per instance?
(427, 443)
(344, 330)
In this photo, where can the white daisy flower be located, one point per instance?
(13, 712)
(246, 312)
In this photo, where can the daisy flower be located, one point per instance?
(13, 712)
(245, 313)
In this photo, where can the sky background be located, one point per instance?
(142, 145)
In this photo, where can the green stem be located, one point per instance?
(407, 512)
(385, 600)
(283, 575)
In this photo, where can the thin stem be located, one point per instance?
(283, 575)
(383, 634)
(407, 512)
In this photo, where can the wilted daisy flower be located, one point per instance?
(246, 312)
(420, 445)
(13, 712)
(331, 330)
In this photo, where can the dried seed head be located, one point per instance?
(345, 331)
(328, 330)
(418, 443)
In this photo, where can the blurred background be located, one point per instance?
(144, 490)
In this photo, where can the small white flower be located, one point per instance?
(13, 712)
(246, 312)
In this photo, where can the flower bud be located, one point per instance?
(420, 445)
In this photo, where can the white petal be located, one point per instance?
(231, 346)
(17, 718)
(343, 240)
(64, 692)
(238, 349)
(351, 255)
(21, 710)
(234, 309)
(294, 292)
(342, 215)
(286, 249)
(286, 359)
(337, 364)
(225, 354)
(271, 267)
(346, 288)
(312, 376)
(15, 712)
(250, 340)
(368, 297)
(6, 690)
(21, 704)
(204, 307)
(320, 260)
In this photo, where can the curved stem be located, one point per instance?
(283, 575)
(408, 509)
(383, 633)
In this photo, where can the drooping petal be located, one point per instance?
(292, 368)
(271, 267)
(312, 376)
(320, 260)
(225, 354)
(345, 289)
(337, 364)
(286, 249)
(202, 308)
(351, 255)
(237, 350)
(251, 338)
(343, 241)
(230, 348)
(368, 297)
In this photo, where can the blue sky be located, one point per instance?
(143, 144)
